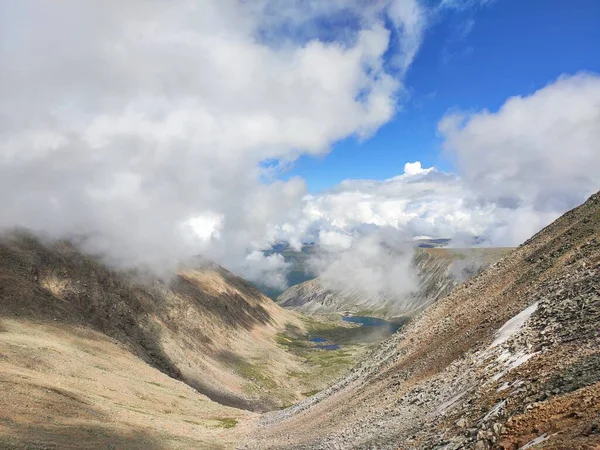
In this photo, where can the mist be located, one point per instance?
(374, 265)
(154, 131)
(157, 130)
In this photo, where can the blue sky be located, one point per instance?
(472, 59)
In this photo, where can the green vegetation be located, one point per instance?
(291, 342)
(311, 393)
(192, 422)
(215, 422)
(258, 381)
(367, 313)
(227, 422)
(322, 366)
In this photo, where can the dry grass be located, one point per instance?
(59, 287)
(95, 357)
(65, 387)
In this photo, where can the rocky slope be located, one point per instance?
(509, 360)
(90, 352)
(439, 270)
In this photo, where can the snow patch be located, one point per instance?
(505, 386)
(512, 362)
(513, 325)
(449, 403)
(535, 441)
(494, 411)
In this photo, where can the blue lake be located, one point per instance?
(373, 322)
(324, 344)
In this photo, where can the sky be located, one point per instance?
(470, 58)
(152, 131)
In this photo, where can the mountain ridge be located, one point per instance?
(446, 381)
(95, 357)
(438, 270)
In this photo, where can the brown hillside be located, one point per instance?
(82, 348)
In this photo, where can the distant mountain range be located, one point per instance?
(439, 270)
(300, 270)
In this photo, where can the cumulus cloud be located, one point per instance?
(534, 158)
(418, 202)
(518, 169)
(541, 150)
(153, 128)
(157, 130)
(334, 240)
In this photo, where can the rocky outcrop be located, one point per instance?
(509, 360)
(439, 270)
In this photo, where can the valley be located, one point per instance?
(508, 360)
(110, 357)
(94, 357)
(299, 225)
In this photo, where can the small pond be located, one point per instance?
(324, 344)
(371, 328)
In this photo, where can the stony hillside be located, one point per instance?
(439, 271)
(107, 356)
(509, 360)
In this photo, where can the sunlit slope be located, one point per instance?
(87, 349)
(68, 387)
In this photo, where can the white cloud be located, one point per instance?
(268, 270)
(419, 202)
(414, 168)
(132, 121)
(156, 130)
(518, 169)
(533, 159)
(410, 22)
(333, 240)
(377, 264)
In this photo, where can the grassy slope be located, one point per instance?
(92, 354)
(65, 386)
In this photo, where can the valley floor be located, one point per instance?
(66, 386)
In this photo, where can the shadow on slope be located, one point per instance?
(57, 283)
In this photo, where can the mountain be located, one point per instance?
(439, 270)
(92, 357)
(509, 360)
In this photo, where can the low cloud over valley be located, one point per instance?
(162, 130)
